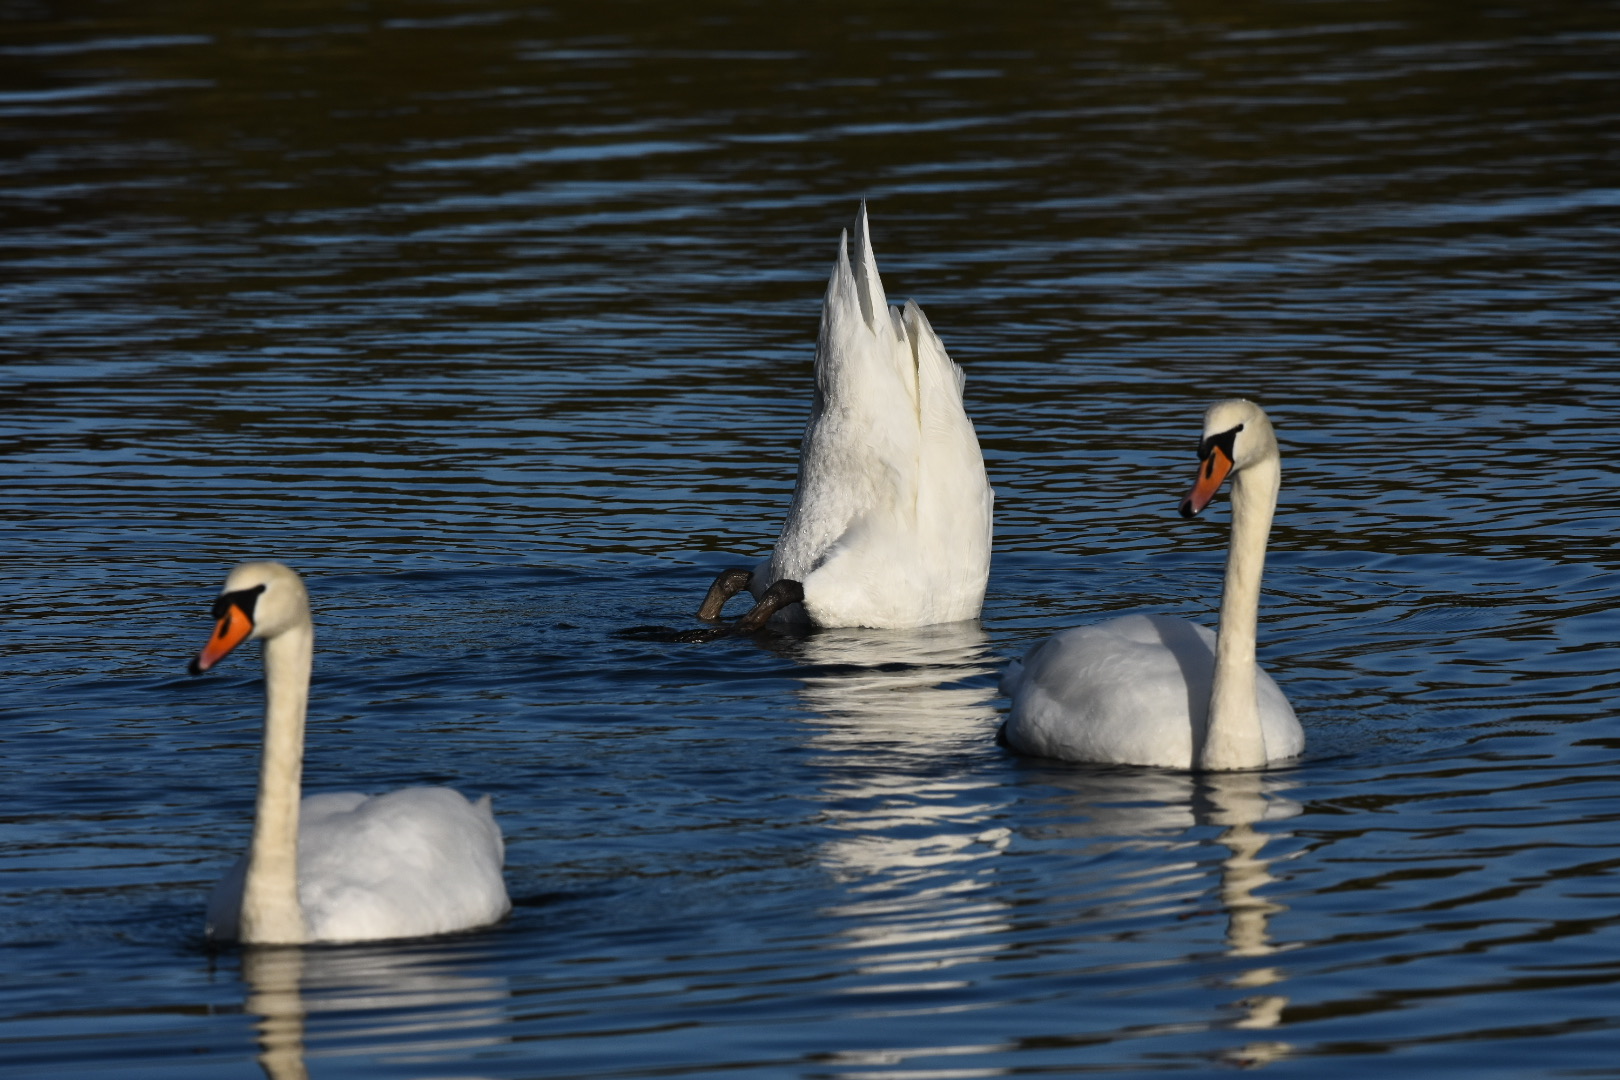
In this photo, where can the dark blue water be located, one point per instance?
(496, 323)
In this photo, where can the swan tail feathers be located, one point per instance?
(939, 378)
(868, 285)
(841, 291)
(892, 502)
(864, 365)
(955, 499)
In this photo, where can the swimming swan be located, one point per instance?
(890, 521)
(343, 866)
(1153, 690)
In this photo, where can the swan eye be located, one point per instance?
(1224, 440)
(245, 599)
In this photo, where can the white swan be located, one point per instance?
(343, 866)
(1153, 690)
(890, 521)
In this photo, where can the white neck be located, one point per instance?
(271, 914)
(1233, 738)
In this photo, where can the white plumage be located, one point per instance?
(341, 866)
(1154, 690)
(410, 863)
(890, 521)
(1132, 690)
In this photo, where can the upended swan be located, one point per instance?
(341, 866)
(890, 521)
(1155, 690)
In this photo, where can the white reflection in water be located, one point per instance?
(915, 833)
(273, 976)
(1130, 808)
(1238, 801)
(919, 833)
(412, 1007)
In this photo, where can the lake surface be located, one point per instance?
(496, 322)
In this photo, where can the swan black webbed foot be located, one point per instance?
(780, 595)
(728, 584)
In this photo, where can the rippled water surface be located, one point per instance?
(496, 321)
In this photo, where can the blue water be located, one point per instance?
(496, 323)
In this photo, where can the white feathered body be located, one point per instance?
(410, 863)
(891, 519)
(1133, 690)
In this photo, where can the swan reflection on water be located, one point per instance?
(399, 1004)
(1239, 801)
(891, 691)
(920, 814)
(1128, 808)
(903, 744)
(905, 720)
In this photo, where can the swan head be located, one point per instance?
(258, 600)
(1237, 435)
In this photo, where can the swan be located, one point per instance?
(890, 521)
(341, 866)
(1154, 690)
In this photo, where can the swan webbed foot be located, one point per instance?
(728, 584)
(781, 594)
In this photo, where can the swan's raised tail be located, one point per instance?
(890, 520)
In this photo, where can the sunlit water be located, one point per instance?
(497, 322)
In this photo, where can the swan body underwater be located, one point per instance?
(890, 521)
(1155, 690)
(340, 866)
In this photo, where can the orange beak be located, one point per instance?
(1211, 471)
(231, 630)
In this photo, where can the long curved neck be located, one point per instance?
(271, 914)
(1233, 738)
